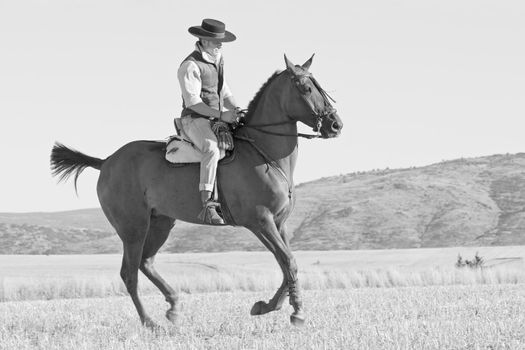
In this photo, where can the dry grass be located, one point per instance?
(16, 289)
(391, 299)
(439, 317)
(87, 276)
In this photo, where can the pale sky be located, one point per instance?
(416, 82)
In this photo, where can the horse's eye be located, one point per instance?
(305, 89)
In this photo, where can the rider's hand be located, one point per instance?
(241, 113)
(229, 117)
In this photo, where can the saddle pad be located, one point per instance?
(181, 150)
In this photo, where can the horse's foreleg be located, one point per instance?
(293, 288)
(295, 299)
(274, 304)
(269, 235)
(278, 299)
(158, 234)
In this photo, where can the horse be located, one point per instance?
(142, 195)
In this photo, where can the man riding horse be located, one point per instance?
(142, 195)
(205, 95)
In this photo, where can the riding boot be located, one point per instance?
(209, 213)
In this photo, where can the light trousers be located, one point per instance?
(198, 130)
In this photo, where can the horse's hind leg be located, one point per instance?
(133, 234)
(129, 273)
(159, 230)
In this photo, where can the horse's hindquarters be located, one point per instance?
(136, 181)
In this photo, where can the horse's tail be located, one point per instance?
(65, 162)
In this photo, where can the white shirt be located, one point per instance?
(189, 77)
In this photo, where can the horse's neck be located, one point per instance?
(281, 149)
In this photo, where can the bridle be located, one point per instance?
(319, 115)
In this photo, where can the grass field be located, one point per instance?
(33, 277)
(381, 299)
(439, 317)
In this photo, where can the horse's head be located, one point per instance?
(308, 103)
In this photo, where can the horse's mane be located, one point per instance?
(255, 101)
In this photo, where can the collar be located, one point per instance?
(206, 56)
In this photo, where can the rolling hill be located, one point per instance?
(463, 202)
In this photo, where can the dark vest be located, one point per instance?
(211, 79)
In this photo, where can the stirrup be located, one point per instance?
(209, 213)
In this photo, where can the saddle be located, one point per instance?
(181, 150)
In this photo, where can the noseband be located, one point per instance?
(319, 115)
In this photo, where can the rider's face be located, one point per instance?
(211, 47)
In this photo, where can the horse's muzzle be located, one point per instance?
(336, 127)
(332, 126)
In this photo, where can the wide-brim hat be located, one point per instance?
(211, 29)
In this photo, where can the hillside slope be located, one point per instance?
(464, 202)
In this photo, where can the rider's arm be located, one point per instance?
(203, 109)
(190, 84)
(230, 103)
(229, 100)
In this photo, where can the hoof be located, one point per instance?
(171, 315)
(148, 323)
(259, 308)
(297, 319)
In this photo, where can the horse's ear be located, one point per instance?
(308, 63)
(289, 65)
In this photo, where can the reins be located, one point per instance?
(259, 127)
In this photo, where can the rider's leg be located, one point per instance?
(199, 132)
